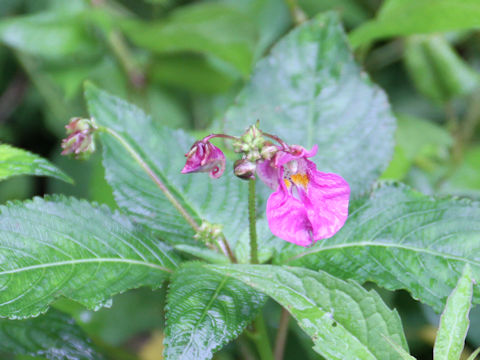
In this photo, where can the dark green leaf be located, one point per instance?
(310, 91)
(407, 17)
(15, 161)
(217, 201)
(205, 310)
(344, 320)
(63, 246)
(207, 28)
(53, 336)
(401, 239)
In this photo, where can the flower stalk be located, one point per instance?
(252, 221)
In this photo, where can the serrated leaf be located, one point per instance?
(454, 321)
(308, 91)
(205, 310)
(215, 200)
(212, 29)
(401, 239)
(63, 246)
(407, 17)
(330, 310)
(15, 161)
(53, 336)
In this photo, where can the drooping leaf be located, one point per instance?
(53, 336)
(215, 200)
(437, 71)
(454, 321)
(344, 320)
(205, 310)
(408, 17)
(63, 246)
(401, 239)
(310, 91)
(212, 29)
(15, 161)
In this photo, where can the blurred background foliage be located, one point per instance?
(184, 61)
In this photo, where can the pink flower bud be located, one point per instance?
(244, 169)
(205, 157)
(80, 141)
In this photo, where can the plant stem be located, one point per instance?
(252, 222)
(281, 338)
(122, 52)
(152, 175)
(260, 338)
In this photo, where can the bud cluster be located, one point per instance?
(80, 141)
(208, 233)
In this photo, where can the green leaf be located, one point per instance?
(50, 35)
(212, 29)
(401, 239)
(403, 353)
(352, 12)
(205, 310)
(437, 71)
(407, 17)
(454, 320)
(53, 336)
(474, 354)
(215, 200)
(203, 253)
(466, 178)
(63, 246)
(330, 310)
(310, 91)
(15, 161)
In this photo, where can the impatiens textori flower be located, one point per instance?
(307, 205)
(205, 157)
(80, 141)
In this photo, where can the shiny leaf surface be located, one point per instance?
(15, 161)
(216, 200)
(308, 91)
(53, 336)
(205, 310)
(401, 239)
(330, 310)
(63, 246)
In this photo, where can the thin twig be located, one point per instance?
(281, 338)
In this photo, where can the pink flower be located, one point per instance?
(308, 205)
(205, 157)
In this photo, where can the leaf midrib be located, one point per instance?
(386, 245)
(85, 261)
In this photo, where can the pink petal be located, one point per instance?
(298, 152)
(326, 202)
(288, 219)
(268, 174)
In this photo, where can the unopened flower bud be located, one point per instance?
(244, 169)
(208, 232)
(80, 141)
(205, 157)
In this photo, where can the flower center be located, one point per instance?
(300, 179)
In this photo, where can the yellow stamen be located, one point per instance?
(300, 179)
(287, 183)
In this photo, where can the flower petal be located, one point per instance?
(326, 202)
(288, 219)
(268, 174)
(297, 152)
